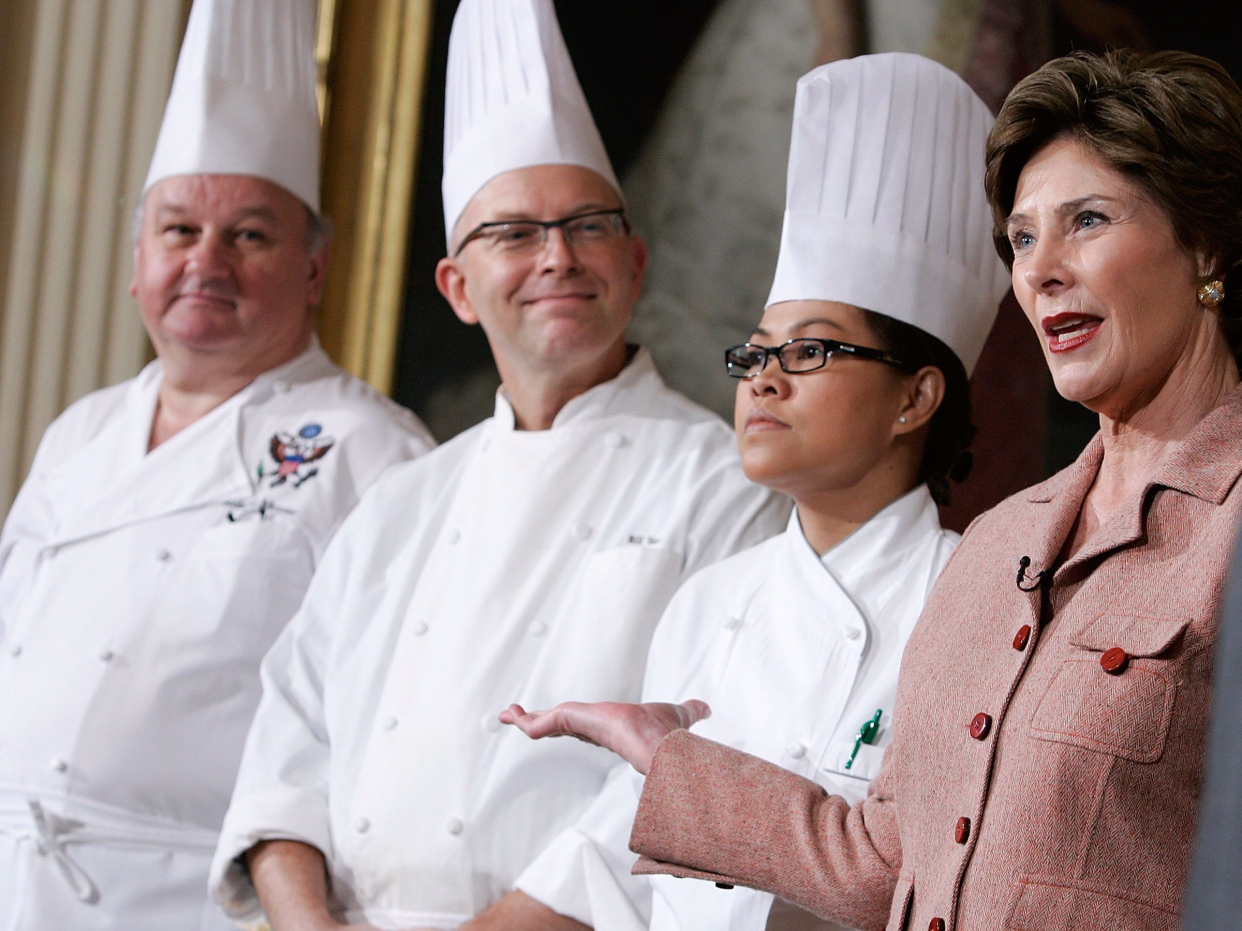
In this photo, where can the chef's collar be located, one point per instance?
(876, 549)
(604, 398)
(311, 363)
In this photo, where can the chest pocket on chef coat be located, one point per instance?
(1125, 713)
(866, 765)
(598, 644)
(238, 584)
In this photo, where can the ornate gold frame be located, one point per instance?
(373, 63)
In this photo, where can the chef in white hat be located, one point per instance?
(170, 524)
(853, 397)
(527, 559)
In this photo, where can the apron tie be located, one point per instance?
(23, 816)
(51, 835)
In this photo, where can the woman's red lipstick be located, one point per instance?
(1069, 330)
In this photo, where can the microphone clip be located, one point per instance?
(1027, 582)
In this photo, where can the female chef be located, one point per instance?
(861, 416)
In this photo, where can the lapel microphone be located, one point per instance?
(1026, 582)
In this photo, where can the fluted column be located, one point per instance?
(96, 74)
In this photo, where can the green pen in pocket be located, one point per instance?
(866, 735)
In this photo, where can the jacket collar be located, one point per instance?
(112, 481)
(863, 563)
(885, 541)
(1206, 464)
(608, 397)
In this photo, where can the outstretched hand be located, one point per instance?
(631, 731)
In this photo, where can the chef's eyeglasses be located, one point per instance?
(525, 237)
(798, 356)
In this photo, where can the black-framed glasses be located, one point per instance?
(526, 236)
(798, 356)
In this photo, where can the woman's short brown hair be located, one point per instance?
(1170, 122)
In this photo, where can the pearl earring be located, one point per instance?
(901, 419)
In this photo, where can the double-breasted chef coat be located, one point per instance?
(794, 654)
(138, 593)
(1047, 751)
(507, 566)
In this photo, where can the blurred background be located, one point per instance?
(694, 100)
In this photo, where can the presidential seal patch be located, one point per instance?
(294, 455)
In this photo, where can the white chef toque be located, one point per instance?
(243, 97)
(512, 100)
(885, 206)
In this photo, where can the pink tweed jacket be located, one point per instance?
(1045, 764)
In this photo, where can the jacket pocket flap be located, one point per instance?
(1138, 636)
(1054, 903)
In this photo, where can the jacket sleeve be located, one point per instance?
(282, 784)
(585, 873)
(714, 813)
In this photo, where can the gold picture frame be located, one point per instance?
(372, 56)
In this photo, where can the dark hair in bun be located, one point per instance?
(946, 454)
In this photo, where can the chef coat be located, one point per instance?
(794, 654)
(138, 593)
(510, 565)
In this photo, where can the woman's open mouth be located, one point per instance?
(1069, 331)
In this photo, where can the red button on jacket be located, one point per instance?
(1022, 638)
(961, 833)
(1115, 661)
(980, 726)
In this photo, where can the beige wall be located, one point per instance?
(85, 83)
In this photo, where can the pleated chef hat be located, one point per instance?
(885, 206)
(512, 100)
(243, 97)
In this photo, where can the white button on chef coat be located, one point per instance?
(788, 684)
(527, 613)
(148, 560)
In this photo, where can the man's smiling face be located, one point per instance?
(562, 304)
(222, 267)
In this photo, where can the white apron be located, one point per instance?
(508, 566)
(138, 593)
(794, 654)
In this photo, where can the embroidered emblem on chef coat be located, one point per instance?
(293, 455)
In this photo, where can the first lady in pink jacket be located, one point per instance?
(1047, 750)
